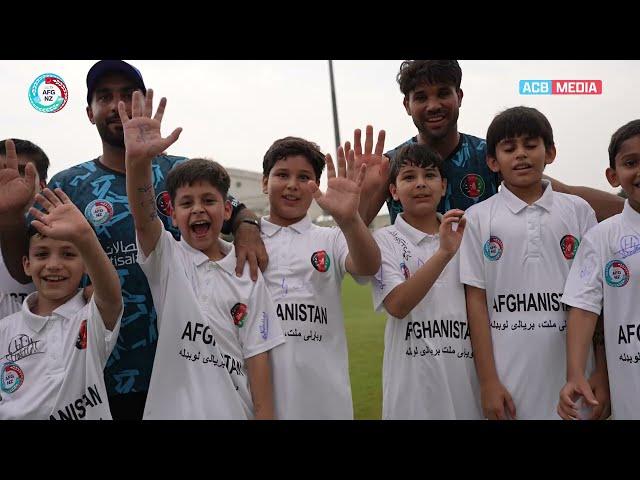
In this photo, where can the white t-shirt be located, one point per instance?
(304, 275)
(428, 371)
(52, 367)
(12, 293)
(207, 318)
(607, 271)
(521, 255)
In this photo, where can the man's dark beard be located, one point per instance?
(115, 140)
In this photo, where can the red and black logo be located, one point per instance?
(163, 203)
(81, 341)
(569, 246)
(239, 313)
(320, 261)
(472, 185)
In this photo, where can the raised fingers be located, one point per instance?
(380, 143)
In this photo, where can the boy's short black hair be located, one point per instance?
(31, 150)
(417, 155)
(196, 170)
(291, 146)
(31, 232)
(624, 133)
(416, 72)
(517, 121)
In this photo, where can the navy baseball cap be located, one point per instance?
(107, 66)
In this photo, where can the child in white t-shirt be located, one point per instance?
(604, 279)
(428, 370)
(307, 263)
(215, 330)
(515, 256)
(58, 344)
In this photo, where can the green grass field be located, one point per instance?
(365, 337)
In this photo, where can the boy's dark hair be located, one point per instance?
(416, 155)
(35, 153)
(31, 232)
(517, 121)
(624, 133)
(290, 146)
(416, 72)
(196, 170)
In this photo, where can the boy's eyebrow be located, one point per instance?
(525, 137)
(629, 154)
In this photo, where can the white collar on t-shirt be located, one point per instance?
(270, 229)
(66, 310)
(630, 216)
(414, 235)
(228, 263)
(516, 205)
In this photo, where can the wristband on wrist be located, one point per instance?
(251, 221)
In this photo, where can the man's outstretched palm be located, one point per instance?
(142, 137)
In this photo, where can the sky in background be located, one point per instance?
(232, 111)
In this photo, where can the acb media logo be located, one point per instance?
(560, 87)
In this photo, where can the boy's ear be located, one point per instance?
(174, 219)
(492, 163)
(228, 209)
(444, 186)
(460, 95)
(550, 155)
(394, 192)
(90, 114)
(265, 183)
(26, 265)
(612, 177)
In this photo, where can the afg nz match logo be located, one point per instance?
(11, 377)
(48, 93)
(493, 248)
(616, 273)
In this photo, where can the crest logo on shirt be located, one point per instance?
(569, 246)
(493, 248)
(616, 273)
(11, 377)
(99, 212)
(405, 270)
(239, 313)
(81, 341)
(163, 204)
(472, 185)
(320, 261)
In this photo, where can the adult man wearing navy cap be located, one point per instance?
(98, 188)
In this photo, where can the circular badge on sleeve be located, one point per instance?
(11, 377)
(616, 273)
(99, 212)
(493, 248)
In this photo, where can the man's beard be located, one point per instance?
(440, 134)
(110, 138)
